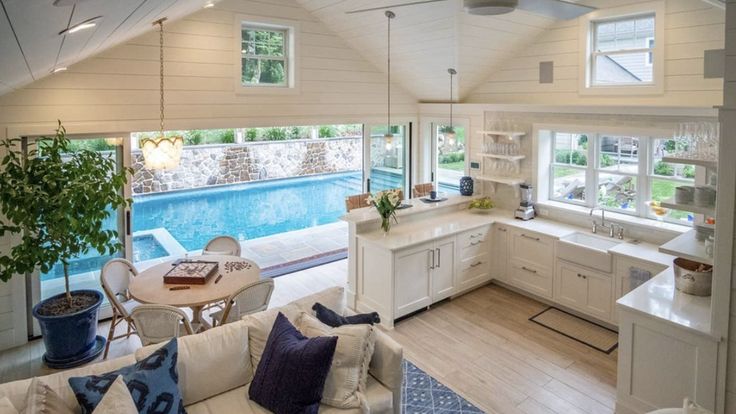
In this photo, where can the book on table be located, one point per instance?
(191, 273)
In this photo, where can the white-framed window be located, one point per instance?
(623, 50)
(266, 55)
(619, 171)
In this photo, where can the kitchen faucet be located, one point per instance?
(611, 229)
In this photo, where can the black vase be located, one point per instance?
(466, 186)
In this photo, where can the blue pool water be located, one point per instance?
(246, 211)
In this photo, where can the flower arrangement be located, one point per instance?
(386, 203)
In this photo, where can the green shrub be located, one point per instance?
(661, 168)
(689, 171)
(327, 131)
(607, 161)
(578, 158)
(194, 137)
(274, 134)
(451, 157)
(227, 136)
(251, 134)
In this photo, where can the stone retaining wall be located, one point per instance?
(236, 163)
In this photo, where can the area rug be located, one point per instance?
(588, 333)
(423, 394)
(304, 263)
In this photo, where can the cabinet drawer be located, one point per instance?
(476, 264)
(532, 249)
(532, 279)
(473, 237)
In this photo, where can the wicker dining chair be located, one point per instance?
(160, 323)
(222, 245)
(115, 279)
(422, 190)
(356, 201)
(249, 299)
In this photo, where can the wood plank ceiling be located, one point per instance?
(428, 39)
(32, 47)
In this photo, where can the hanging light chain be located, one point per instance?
(160, 24)
(390, 15)
(452, 73)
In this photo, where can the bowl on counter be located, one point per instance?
(704, 196)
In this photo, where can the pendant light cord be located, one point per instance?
(450, 100)
(390, 15)
(161, 84)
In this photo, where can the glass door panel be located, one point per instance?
(387, 159)
(449, 157)
(84, 270)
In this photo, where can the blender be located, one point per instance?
(526, 206)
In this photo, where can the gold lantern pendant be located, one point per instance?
(162, 152)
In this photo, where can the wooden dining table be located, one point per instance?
(237, 272)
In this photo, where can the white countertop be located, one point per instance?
(659, 298)
(365, 214)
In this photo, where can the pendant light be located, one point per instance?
(162, 153)
(450, 132)
(389, 137)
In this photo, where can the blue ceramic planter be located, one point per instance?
(71, 340)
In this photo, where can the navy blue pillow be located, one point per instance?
(291, 375)
(153, 383)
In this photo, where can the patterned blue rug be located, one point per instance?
(423, 394)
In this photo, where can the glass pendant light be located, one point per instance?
(450, 131)
(162, 153)
(389, 137)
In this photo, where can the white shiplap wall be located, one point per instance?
(691, 27)
(117, 90)
(728, 151)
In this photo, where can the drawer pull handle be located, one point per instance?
(583, 276)
(476, 264)
(529, 270)
(476, 243)
(530, 237)
(502, 229)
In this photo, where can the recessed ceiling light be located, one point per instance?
(59, 69)
(87, 24)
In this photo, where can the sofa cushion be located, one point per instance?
(259, 327)
(211, 362)
(346, 381)
(236, 401)
(43, 399)
(117, 400)
(293, 369)
(16, 391)
(152, 383)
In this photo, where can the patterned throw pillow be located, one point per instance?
(292, 372)
(152, 382)
(117, 400)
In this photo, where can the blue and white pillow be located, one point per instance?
(153, 383)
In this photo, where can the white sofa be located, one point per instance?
(217, 366)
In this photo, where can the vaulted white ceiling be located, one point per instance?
(29, 32)
(428, 39)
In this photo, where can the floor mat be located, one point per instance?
(422, 393)
(588, 333)
(304, 263)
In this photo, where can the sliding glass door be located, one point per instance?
(84, 270)
(386, 160)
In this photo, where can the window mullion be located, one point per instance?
(591, 177)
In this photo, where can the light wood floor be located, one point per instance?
(481, 345)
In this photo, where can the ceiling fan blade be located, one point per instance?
(414, 3)
(559, 9)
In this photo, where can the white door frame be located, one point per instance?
(407, 166)
(430, 146)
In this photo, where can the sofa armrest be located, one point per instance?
(387, 365)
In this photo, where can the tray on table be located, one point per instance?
(191, 273)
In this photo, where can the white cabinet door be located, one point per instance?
(570, 287)
(584, 290)
(500, 253)
(412, 279)
(443, 273)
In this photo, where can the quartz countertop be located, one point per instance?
(659, 298)
(366, 214)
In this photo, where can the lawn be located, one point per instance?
(454, 166)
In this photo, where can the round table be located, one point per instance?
(149, 286)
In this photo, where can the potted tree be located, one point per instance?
(57, 201)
